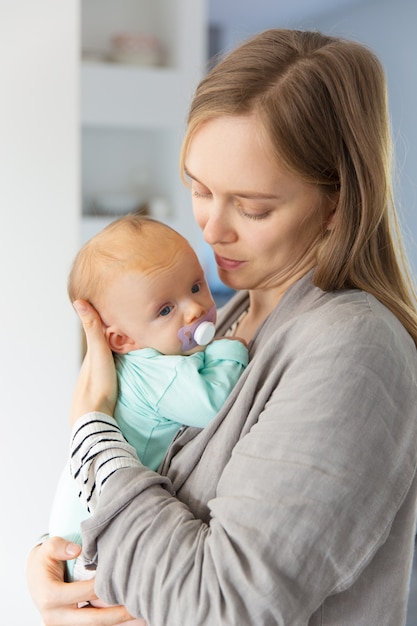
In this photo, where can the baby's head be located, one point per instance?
(145, 281)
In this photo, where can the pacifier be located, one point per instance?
(200, 333)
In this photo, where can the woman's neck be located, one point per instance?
(261, 304)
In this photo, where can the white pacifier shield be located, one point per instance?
(204, 333)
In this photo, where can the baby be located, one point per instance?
(158, 316)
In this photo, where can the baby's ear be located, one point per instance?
(118, 341)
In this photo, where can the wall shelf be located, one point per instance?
(124, 96)
(133, 116)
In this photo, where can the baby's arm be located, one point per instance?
(231, 339)
(203, 382)
(67, 513)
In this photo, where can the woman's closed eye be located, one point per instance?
(253, 215)
(199, 193)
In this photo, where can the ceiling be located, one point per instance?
(259, 13)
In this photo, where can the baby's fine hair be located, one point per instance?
(130, 242)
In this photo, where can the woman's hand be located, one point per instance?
(58, 601)
(96, 388)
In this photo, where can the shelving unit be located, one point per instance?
(138, 96)
(133, 116)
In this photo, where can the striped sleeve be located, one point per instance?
(98, 449)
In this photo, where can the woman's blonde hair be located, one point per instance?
(323, 103)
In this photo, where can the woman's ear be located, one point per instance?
(118, 341)
(334, 201)
(330, 220)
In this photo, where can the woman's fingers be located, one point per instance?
(92, 324)
(60, 549)
(45, 573)
(71, 615)
(58, 602)
(96, 388)
(87, 616)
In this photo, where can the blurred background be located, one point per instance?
(93, 101)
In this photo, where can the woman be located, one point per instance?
(297, 505)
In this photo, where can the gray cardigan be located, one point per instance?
(296, 505)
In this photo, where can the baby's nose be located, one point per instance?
(193, 312)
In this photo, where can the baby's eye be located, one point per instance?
(166, 310)
(195, 288)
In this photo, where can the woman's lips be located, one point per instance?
(228, 264)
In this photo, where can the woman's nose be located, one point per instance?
(217, 229)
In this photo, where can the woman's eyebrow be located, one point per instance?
(250, 195)
(188, 173)
(254, 195)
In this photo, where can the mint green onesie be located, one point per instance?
(158, 395)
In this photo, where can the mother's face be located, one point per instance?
(262, 222)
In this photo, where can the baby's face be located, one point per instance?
(151, 306)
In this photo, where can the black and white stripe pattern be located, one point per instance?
(98, 449)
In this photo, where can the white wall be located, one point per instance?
(389, 29)
(38, 238)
